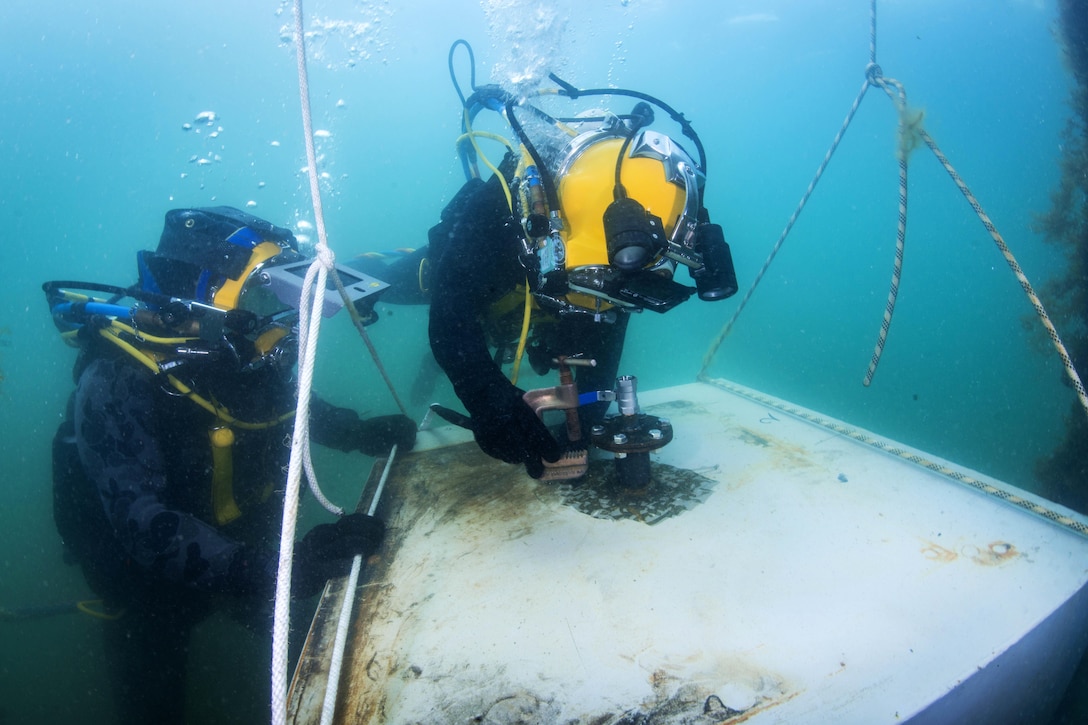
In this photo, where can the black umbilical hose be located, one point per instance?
(641, 115)
(472, 68)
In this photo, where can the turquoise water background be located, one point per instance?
(93, 153)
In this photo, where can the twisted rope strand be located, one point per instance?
(895, 91)
(1025, 284)
(716, 343)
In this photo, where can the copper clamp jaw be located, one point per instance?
(575, 461)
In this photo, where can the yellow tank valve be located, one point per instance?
(222, 437)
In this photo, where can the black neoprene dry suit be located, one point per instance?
(475, 262)
(136, 511)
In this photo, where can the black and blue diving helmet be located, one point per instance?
(208, 266)
(220, 273)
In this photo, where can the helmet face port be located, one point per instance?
(630, 233)
(630, 230)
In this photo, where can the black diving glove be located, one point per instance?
(506, 428)
(341, 428)
(327, 549)
(375, 436)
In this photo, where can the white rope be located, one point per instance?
(282, 617)
(309, 330)
(332, 687)
(315, 488)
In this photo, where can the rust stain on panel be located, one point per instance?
(936, 552)
(993, 554)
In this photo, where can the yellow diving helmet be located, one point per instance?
(655, 171)
(628, 212)
(607, 205)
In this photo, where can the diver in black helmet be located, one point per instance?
(585, 221)
(169, 472)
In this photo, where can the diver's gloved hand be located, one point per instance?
(375, 436)
(340, 428)
(507, 428)
(333, 426)
(327, 549)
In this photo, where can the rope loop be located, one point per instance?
(874, 73)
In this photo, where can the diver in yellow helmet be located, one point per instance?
(169, 470)
(585, 221)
